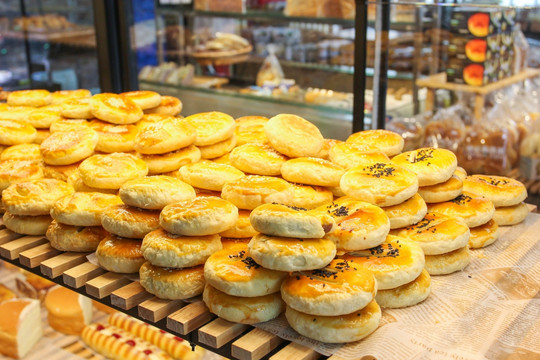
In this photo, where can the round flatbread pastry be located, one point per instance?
(448, 263)
(407, 213)
(442, 192)
(212, 127)
(395, 262)
(34, 197)
(75, 238)
(381, 184)
(15, 113)
(348, 155)
(65, 148)
(285, 221)
(475, 210)
(242, 229)
(27, 224)
(15, 171)
(218, 149)
(294, 136)
(291, 254)
(336, 329)
(250, 191)
(438, 234)
(406, 295)
(250, 130)
(484, 235)
(21, 152)
(83, 208)
(114, 138)
(257, 159)
(58, 97)
(244, 310)
(111, 171)
(433, 166)
(129, 222)
(511, 215)
(177, 251)
(13, 132)
(199, 216)
(168, 135)
(340, 288)
(209, 175)
(34, 98)
(74, 179)
(78, 108)
(325, 150)
(172, 284)
(308, 196)
(461, 173)
(312, 171)
(144, 98)
(42, 119)
(114, 108)
(69, 125)
(170, 106)
(172, 161)
(234, 272)
(502, 191)
(359, 225)
(386, 141)
(41, 135)
(155, 192)
(120, 255)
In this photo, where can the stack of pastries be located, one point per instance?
(260, 215)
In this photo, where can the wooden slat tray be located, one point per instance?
(191, 321)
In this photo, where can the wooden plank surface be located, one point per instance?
(189, 318)
(155, 309)
(219, 332)
(80, 274)
(7, 235)
(55, 266)
(254, 345)
(105, 284)
(12, 249)
(438, 81)
(295, 351)
(35, 256)
(129, 296)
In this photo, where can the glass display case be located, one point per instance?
(48, 44)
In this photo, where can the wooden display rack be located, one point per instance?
(190, 321)
(438, 81)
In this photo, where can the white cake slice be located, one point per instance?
(20, 326)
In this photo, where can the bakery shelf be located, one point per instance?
(236, 94)
(190, 321)
(438, 81)
(258, 15)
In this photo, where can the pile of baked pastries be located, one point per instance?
(261, 216)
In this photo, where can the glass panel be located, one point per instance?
(257, 58)
(473, 80)
(48, 44)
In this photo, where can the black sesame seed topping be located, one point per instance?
(250, 263)
(422, 155)
(379, 170)
(462, 199)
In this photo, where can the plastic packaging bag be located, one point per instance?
(270, 71)
(446, 130)
(410, 129)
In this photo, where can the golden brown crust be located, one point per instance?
(432, 165)
(251, 191)
(112, 170)
(144, 98)
(445, 191)
(167, 135)
(406, 295)
(218, 149)
(348, 155)
(13, 132)
(14, 171)
(34, 197)
(64, 148)
(209, 175)
(388, 142)
(212, 127)
(34, 98)
(475, 210)
(77, 108)
(129, 222)
(170, 106)
(250, 130)
(294, 136)
(257, 159)
(407, 213)
(114, 138)
(167, 283)
(119, 254)
(21, 152)
(172, 161)
(116, 109)
(312, 171)
(502, 191)
(27, 224)
(484, 235)
(75, 238)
